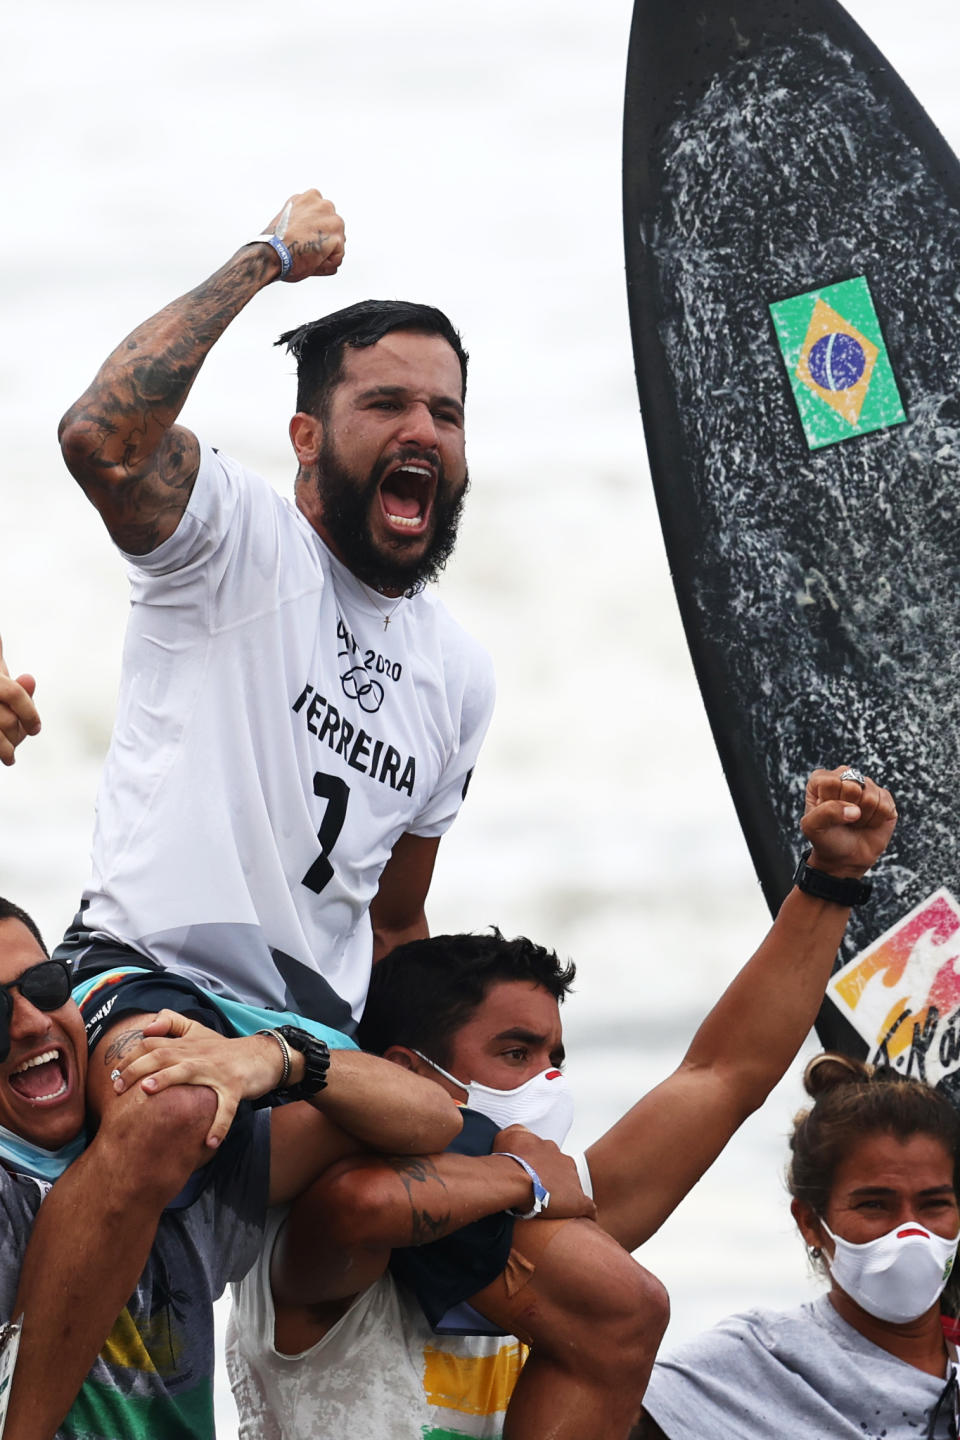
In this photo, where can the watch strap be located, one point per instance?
(316, 1056)
(830, 887)
(541, 1195)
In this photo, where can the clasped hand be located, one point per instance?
(180, 1051)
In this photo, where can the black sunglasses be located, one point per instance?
(45, 986)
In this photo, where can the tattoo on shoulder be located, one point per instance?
(120, 1044)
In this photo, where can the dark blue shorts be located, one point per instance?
(118, 995)
(115, 996)
(444, 1274)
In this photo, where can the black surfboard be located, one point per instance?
(792, 226)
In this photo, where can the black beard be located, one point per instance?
(347, 502)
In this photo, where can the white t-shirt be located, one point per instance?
(380, 1372)
(272, 742)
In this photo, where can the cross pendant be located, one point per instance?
(386, 621)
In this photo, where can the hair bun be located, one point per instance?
(829, 1071)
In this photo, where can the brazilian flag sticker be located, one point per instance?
(837, 362)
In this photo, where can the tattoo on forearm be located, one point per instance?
(120, 1044)
(417, 1170)
(123, 422)
(425, 1227)
(425, 1224)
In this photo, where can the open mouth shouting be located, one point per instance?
(406, 497)
(43, 1079)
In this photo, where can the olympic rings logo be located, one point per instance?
(357, 685)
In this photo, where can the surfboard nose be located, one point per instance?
(687, 37)
(677, 47)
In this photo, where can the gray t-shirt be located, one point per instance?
(801, 1374)
(154, 1375)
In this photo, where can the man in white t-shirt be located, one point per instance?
(298, 720)
(297, 723)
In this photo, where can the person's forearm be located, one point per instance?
(121, 440)
(760, 1021)
(645, 1163)
(752, 1034)
(402, 1202)
(339, 1234)
(117, 424)
(385, 1107)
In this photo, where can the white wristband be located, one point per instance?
(541, 1195)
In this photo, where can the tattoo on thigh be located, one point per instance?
(120, 1044)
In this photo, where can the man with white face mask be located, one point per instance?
(544, 1103)
(324, 1340)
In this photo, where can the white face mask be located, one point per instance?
(543, 1103)
(896, 1277)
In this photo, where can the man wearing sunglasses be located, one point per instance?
(154, 1374)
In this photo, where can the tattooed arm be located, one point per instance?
(339, 1234)
(120, 440)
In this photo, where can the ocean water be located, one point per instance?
(474, 152)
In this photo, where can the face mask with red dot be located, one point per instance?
(896, 1277)
(544, 1103)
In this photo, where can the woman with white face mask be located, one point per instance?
(873, 1177)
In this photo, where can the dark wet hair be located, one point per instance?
(423, 992)
(318, 346)
(9, 911)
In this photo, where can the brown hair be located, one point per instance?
(853, 1100)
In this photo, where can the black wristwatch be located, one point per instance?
(316, 1056)
(830, 887)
